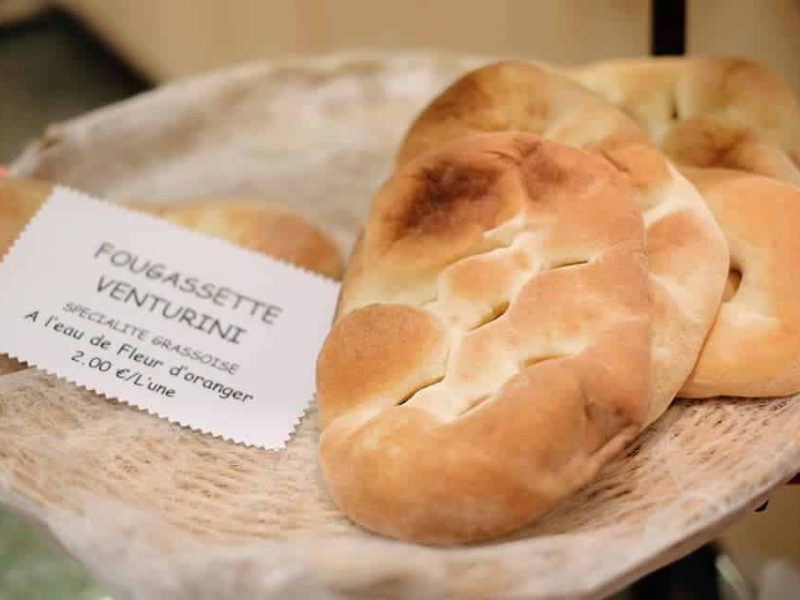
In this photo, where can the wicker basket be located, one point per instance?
(157, 511)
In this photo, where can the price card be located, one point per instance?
(192, 329)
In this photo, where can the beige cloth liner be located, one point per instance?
(157, 511)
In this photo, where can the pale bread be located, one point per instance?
(707, 112)
(492, 347)
(265, 228)
(255, 225)
(19, 201)
(687, 253)
(754, 347)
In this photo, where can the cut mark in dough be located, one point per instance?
(569, 263)
(477, 402)
(732, 283)
(535, 360)
(426, 384)
(473, 404)
(674, 112)
(496, 312)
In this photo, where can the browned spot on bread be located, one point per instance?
(446, 191)
(437, 208)
(729, 142)
(454, 195)
(732, 283)
(706, 142)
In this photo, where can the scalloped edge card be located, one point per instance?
(189, 328)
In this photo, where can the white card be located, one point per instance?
(192, 329)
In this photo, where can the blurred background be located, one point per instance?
(62, 58)
(56, 56)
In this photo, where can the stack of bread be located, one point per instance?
(557, 256)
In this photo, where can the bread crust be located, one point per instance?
(680, 228)
(258, 226)
(20, 199)
(707, 112)
(262, 227)
(492, 348)
(753, 349)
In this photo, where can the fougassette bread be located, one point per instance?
(687, 253)
(707, 112)
(492, 345)
(266, 228)
(754, 347)
(19, 201)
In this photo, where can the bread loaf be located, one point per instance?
(492, 346)
(266, 228)
(19, 201)
(754, 346)
(687, 254)
(707, 112)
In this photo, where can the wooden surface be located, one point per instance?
(767, 31)
(169, 39)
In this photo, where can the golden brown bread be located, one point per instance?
(707, 112)
(492, 347)
(19, 201)
(265, 228)
(754, 347)
(686, 288)
(515, 96)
